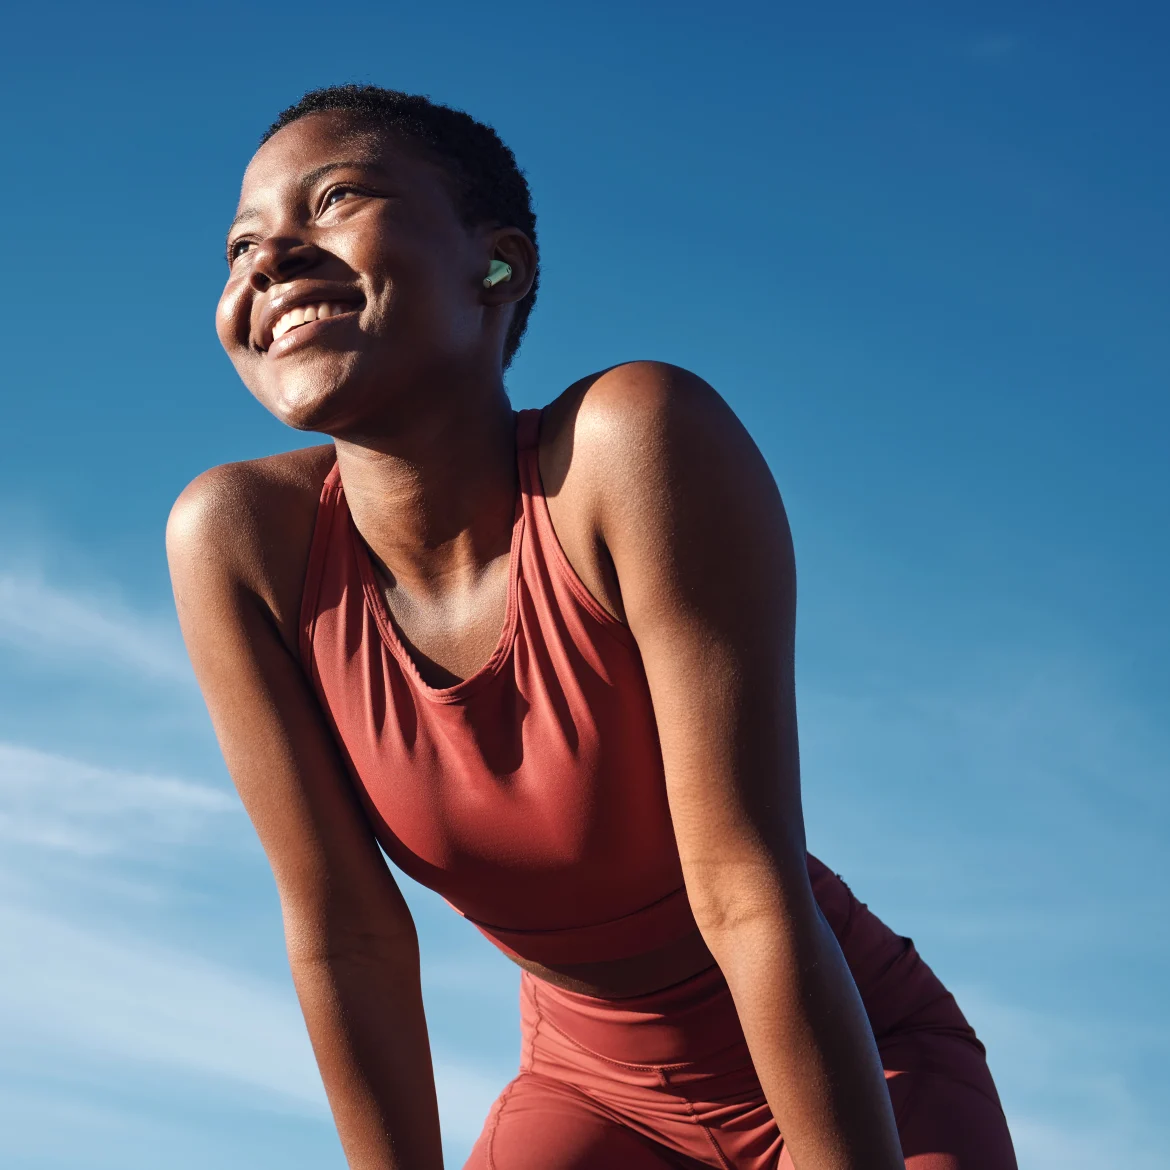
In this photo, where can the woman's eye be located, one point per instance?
(238, 249)
(335, 196)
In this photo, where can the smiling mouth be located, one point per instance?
(304, 314)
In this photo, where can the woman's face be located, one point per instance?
(352, 279)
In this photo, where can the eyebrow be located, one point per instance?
(306, 181)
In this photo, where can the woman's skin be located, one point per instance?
(668, 514)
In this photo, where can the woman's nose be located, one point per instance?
(278, 260)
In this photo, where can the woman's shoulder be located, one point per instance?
(250, 525)
(639, 409)
(632, 392)
(635, 419)
(614, 447)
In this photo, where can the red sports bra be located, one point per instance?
(529, 795)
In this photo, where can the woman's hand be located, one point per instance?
(692, 520)
(238, 542)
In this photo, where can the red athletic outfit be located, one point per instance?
(531, 796)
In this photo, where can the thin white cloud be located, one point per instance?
(1041, 738)
(75, 1125)
(48, 1126)
(47, 621)
(72, 990)
(74, 995)
(64, 804)
(64, 986)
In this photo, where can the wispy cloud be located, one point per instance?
(65, 804)
(1047, 740)
(50, 1126)
(102, 992)
(43, 619)
(66, 986)
(84, 994)
(71, 989)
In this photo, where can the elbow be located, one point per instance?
(736, 914)
(722, 918)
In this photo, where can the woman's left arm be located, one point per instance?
(691, 517)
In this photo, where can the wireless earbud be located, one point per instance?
(498, 272)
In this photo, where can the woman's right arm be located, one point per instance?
(351, 941)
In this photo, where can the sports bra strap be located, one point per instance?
(527, 429)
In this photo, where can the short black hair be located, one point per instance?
(489, 186)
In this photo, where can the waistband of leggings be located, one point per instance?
(680, 1024)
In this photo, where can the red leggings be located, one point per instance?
(665, 1080)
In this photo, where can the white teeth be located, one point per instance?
(302, 315)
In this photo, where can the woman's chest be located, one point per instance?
(523, 774)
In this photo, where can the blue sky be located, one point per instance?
(922, 252)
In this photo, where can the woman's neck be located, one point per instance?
(435, 500)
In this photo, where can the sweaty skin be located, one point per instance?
(667, 513)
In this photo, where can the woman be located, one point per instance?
(608, 788)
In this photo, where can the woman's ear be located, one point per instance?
(512, 247)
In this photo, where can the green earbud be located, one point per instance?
(498, 272)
